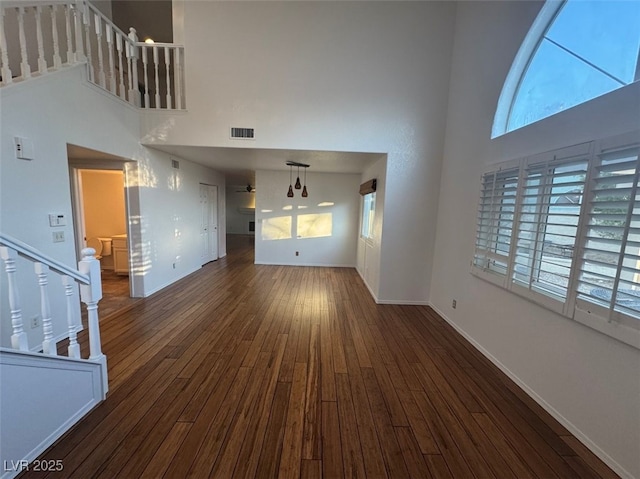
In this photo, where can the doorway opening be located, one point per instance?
(208, 223)
(101, 218)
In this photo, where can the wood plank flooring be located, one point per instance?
(254, 371)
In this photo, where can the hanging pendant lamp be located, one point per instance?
(298, 185)
(290, 192)
(304, 189)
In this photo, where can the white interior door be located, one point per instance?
(209, 223)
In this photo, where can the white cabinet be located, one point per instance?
(120, 250)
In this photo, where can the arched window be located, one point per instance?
(576, 50)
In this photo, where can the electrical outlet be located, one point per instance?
(297, 253)
(454, 303)
(174, 266)
(58, 236)
(35, 322)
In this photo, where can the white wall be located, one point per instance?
(52, 111)
(167, 233)
(238, 200)
(329, 76)
(588, 380)
(333, 195)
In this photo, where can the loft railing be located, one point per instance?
(38, 37)
(87, 276)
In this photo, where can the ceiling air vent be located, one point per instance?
(242, 133)
(175, 164)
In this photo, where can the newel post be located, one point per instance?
(19, 337)
(90, 294)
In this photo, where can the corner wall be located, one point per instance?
(586, 379)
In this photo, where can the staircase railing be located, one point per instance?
(87, 276)
(38, 37)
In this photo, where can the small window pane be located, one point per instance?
(368, 213)
(604, 33)
(555, 81)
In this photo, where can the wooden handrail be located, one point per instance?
(27, 251)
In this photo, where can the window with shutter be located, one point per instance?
(562, 229)
(495, 221)
(609, 280)
(368, 214)
(552, 192)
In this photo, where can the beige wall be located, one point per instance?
(103, 203)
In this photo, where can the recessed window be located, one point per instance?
(575, 51)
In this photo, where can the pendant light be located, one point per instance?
(304, 190)
(290, 192)
(298, 185)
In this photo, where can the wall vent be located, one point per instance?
(242, 133)
(175, 164)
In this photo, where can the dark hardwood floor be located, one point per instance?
(115, 293)
(244, 370)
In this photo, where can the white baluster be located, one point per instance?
(78, 15)
(123, 94)
(86, 20)
(134, 93)
(57, 61)
(25, 69)
(167, 64)
(5, 71)
(74, 347)
(90, 294)
(145, 62)
(155, 69)
(67, 25)
(42, 63)
(48, 345)
(129, 51)
(19, 337)
(177, 76)
(98, 26)
(112, 71)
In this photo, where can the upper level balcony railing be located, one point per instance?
(39, 37)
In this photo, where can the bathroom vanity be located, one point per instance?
(120, 249)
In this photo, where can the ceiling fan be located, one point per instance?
(248, 189)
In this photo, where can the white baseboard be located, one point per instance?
(401, 302)
(315, 265)
(592, 446)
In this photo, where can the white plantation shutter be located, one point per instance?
(496, 211)
(562, 229)
(549, 212)
(609, 278)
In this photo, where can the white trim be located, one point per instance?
(317, 265)
(403, 302)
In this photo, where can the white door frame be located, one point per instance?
(213, 230)
(77, 208)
